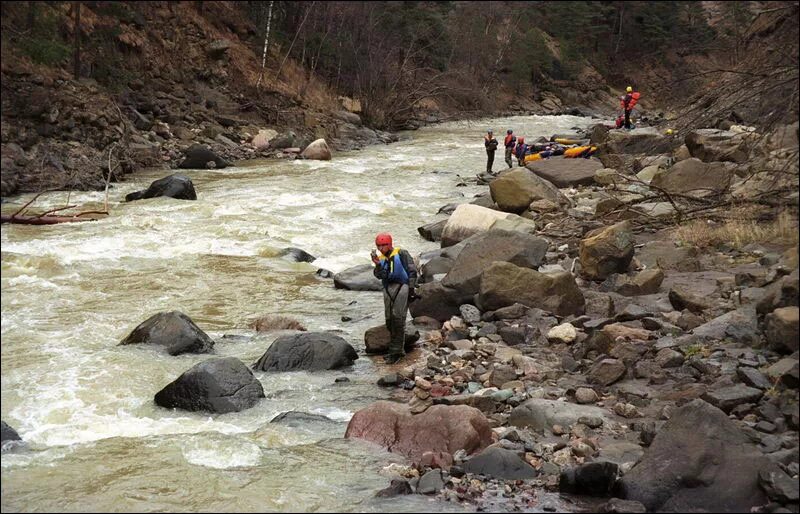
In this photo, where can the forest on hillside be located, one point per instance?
(397, 57)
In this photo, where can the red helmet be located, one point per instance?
(521, 139)
(384, 238)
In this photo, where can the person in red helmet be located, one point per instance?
(397, 272)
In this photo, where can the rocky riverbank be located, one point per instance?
(574, 340)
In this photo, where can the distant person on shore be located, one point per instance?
(628, 102)
(510, 142)
(520, 151)
(396, 269)
(491, 146)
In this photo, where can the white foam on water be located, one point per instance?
(333, 413)
(220, 453)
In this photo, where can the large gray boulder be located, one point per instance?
(173, 330)
(699, 461)
(469, 219)
(606, 250)
(563, 172)
(782, 329)
(216, 385)
(540, 414)
(711, 145)
(514, 190)
(646, 140)
(438, 302)
(500, 463)
(504, 284)
(173, 186)
(198, 157)
(357, 278)
(482, 249)
(695, 178)
(310, 351)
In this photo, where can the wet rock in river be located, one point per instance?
(173, 330)
(216, 385)
(311, 351)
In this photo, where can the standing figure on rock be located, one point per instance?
(491, 146)
(628, 102)
(510, 141)
(520, 151)
(397, 272)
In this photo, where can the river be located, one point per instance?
(96, 441)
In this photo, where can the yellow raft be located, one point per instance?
(578, 150)
(565, 141)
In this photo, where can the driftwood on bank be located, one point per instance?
(48, 218)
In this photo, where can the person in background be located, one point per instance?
(628, 102)
(520, 151)
(509, 142)
(398, 274)
(491, 146)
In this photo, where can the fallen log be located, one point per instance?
(41, 220)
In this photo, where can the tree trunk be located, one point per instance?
(77, 48)
(266, 43)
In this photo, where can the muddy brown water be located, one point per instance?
(71, 292)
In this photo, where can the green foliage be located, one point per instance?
(43, 43)
(43, 50)
(531, 59)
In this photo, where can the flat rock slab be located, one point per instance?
(563, 172)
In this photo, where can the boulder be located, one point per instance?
(563, 172)
(740, 325)
(606, 250)
(432, 231)
(699, 461)
(173, 186)
(284, 140)
(782, 329)
(514, 190)
(781, 293)
(469, 219)
(7, 433)
(711, 145)
(173, 330)
(318, 150)
(262, 139)
(376, 339)
(296, 255)
(667, 256)
(540, 414)
(437, 301)
(607, 177)
(504, 284)
(643, 283)
(500, 463)
(218, 48)
(681, 298)
(198, 157)
(646, 140)
(310, 351)
(440, 428)
(593, 479)
(216, 385)
(482, 249)
(694, 177)
(357, 278)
